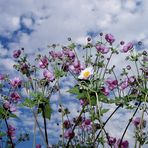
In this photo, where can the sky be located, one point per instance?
(34, 24)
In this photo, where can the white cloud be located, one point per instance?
(54, 21)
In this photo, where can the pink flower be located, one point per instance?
(67, 124)
(124, 85)
(48, 75)
(69, 53)
(105, 91)
(124, 144)
(127, 47)
(11, 131)
(16, 53)
(87, 122)
(15, 97)
(109, 38)
(136, 121)
(38, 146)
(83, 102)
(55, 54)
(43, 63)
(69, 134)
(2, 77)
(102, 48)
(131, 79)
(16, 82)
(8, 106)
(76, 67)
(111, 140)
(111, 83)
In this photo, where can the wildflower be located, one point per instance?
(69, 134)
(11, 131)
(43, 62)
(16, 82)
(86, 73)
(124, 85)
(38, 146)
(111, 83)
(111, 140)
(70, 54)
(15, 97)
(8, 106)
(48, 75)
(83, 102)
(76, 67)
(2, 77)
(16, 53)
(105, 91)
(24, 68)
(102, 48)
(124, 144)
(127, 47)
(109, 38)
(67, 124)
(136, 121)
(55, 54)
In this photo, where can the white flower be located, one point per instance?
(86, 73)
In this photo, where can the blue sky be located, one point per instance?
(34, 24)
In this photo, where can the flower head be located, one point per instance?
(43, 62)
(127, 47)
(16, 53)
(69, 134)
(102, 48)
(15, 96)
(109, 38)
(86, 73)
(48, 75)
(16, 82)
(124, 144)
(38, 146)
(11, 131)
(111, 140)
(136, 121)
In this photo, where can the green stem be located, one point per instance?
(45, 125)
(77, 122)
(129, 124)
(107, 121)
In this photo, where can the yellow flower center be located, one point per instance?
(86, 74)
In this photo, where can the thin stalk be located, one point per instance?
(77, 122)
(34, 139)
(129, 124)
(39, 128)
(8, 135)
(45, 126)
(107, 121)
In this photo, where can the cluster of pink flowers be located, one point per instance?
(112, 141)
(127, 82)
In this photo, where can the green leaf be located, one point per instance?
(28, 103)
(103, 111)
(74, 90)
(72, 46)
(47, 111)
(13, 116)
(2, 134)
(58, 72)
